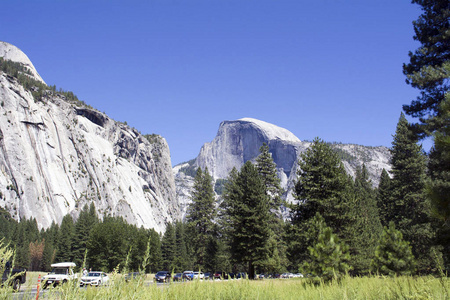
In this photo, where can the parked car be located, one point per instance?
(134, 276)
(188, 275)
(241, 275)
(199, 275)
(14, 277)
(94, 278)
(61, 273)
(220, 275)
(178, 277)
(163, 276)
(209, 275)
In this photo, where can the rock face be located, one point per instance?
(57, 155)
(239, 141)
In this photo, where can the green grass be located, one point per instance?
(349, 288)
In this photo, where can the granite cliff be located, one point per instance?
(57, 154)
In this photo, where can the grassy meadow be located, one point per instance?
(297, 288)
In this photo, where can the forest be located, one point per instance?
(337, 225)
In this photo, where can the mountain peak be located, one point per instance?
(272, 131)
(11, 52)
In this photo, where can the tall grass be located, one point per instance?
(348, 288)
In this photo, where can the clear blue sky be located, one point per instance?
(326, 68)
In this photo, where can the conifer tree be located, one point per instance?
(247, 212)
(393, 255)
(155, 261)
(323, 187)
(168, 247)
(429, 64)
(181, 260)
(367, 227)
(65, 239)
(411, 213)
(83, 226)
(328, 256)
(384, 199)
(200, 216)
(268, 172)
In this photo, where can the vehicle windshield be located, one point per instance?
(161, 273)
(59, 271)
(94, 274)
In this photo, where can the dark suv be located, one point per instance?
(162, 276)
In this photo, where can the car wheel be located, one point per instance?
(45, 286)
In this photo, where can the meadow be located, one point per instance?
(375, 287)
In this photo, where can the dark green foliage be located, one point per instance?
(412, 210)
(109, 243)
(267, 170)
(219, 186)
(426, 70)
(328, 256)
(65, 240)
(367, 228)
(246, 213)
(200, 217)
(83, 226)
(168, 247)
(323, 187)
(393, 255)
(155, 260)
(438, 187)
(181, 261)
(385, 201)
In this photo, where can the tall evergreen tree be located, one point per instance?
(181, 260)
(168, 247)
(200, 216)
(65, 239)
(367, 226)
(247, 211)
(323, 187)
(412, 208)
(155, 261)
(426, 70)
(384, 199)
(267, 170)
(83, 226)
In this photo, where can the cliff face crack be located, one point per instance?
(6, 165)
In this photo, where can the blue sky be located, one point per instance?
(326, 68)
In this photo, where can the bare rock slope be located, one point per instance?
(57, 155)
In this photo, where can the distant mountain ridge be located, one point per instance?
(239, 141)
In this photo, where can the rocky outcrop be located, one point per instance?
(56, 156)
(239, 141)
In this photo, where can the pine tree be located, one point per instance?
(411, 214)
(200, 216)
(168, 247)
(384, 199)
(323, 187)
(428, 66)
(181, 260)
(268, 172)
(85, 222)
(155, 261)
(367, 226)
(328, 256)
(65, 239)
(247, 211)
(393, 255)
